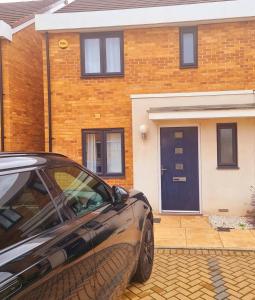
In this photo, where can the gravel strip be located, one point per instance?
(230, 222)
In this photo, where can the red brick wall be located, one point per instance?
(226, 62)
(23, 91)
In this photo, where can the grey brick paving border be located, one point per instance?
(204, 251)
(217, 279)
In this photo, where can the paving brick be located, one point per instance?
(236, 277)
(222, 296)
(249, 297)
(207, 297)
(157, 289)
(145, 293)
(157, 296)
(147, 298)
(196, 295)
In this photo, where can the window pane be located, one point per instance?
(114, 153)
(82, 192)
(226, 142)
(113, 63)
(94, 152)
(188, 48)
(25, 208)
(92, 55)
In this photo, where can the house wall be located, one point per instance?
(23, 91)
(226, 62)
(219, 189)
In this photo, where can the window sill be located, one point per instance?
(189, 67)
(102, 76)
(228, 168)
(106, 177)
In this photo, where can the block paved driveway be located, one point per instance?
(198, 274)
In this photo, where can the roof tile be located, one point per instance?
(16, 13)
(97, 5)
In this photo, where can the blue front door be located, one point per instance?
(179, 169)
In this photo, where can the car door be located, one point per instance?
(112, 226)
(42, 255)
(115, 247)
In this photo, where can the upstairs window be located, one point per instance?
(188, 47)
(103, 151)
(227, 145)
(102, 54)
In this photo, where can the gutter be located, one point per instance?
(1, 98)
(49, 90)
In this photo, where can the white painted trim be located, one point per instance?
(192, 94)
(5, 31)
(199, 167)
(56, 7)
(199, 13)
(22, 26)
(206, 114)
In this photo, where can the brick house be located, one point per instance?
(21, 76)
(156, 95)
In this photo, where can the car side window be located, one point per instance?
(83, 193)
(26, 208)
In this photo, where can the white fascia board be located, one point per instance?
(191, 94)
(147, 17)
(56, 7)
(22, 26)
(212, 114)
(5, 31)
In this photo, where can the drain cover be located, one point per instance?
(226, 229)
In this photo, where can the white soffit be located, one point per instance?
(192, 94)
(207, 114)
(212, 12)
(5, 31)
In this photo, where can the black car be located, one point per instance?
(65, 233)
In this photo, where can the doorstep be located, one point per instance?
(195, 232)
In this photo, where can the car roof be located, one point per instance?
(17, 160)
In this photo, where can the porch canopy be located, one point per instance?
(202, 112)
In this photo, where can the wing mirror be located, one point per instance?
(120, 195)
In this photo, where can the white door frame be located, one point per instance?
(199, 169)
